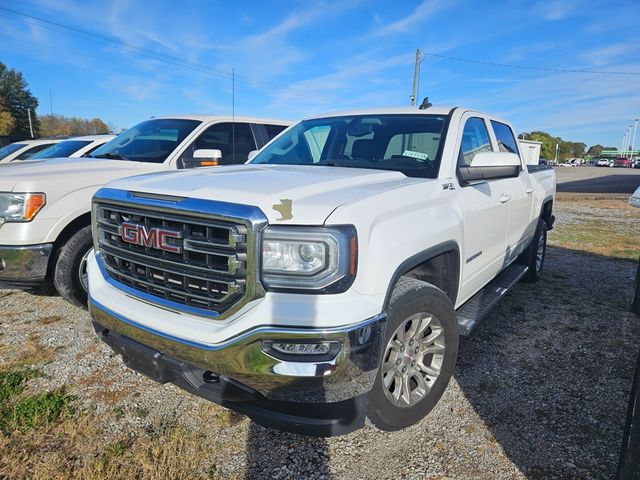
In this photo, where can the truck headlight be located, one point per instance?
(21, 207)
(321, 259)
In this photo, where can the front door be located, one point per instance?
(485, 214)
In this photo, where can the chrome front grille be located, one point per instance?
(208, 263)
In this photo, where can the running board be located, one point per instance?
(478, 306)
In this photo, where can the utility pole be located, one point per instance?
(416, 77)
(30, 122)
(633, 142)
(557, 145)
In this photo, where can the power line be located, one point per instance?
(145, 52)
(528, 67)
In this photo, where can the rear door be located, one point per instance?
(520, 228)
(485, 214)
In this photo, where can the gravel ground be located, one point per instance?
(540, 390)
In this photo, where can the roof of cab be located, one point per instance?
(92, 137)
(225, 118)
(435, 110)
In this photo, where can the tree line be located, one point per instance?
(566, 148)
(17, 103)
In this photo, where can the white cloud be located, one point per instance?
(554, 10)
(407, 24)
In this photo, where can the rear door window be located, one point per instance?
(504, 135)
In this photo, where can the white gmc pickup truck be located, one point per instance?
(45, 205)
(325, 283)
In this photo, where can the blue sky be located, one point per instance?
(294, 58)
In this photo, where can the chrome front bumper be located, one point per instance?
(243, 360)
(24, 264)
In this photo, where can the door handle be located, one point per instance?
(505, 197)
(529, 191)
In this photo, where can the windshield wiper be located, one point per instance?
(110, 156)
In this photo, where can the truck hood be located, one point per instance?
(313, 192)
(60, 174)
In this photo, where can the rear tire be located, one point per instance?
(71, 266)
(533, 257)
(419, 355)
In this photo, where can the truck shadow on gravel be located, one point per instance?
(550, 370)
(273, 454)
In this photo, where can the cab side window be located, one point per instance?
(475, 139)
(504, 135)
(32, 151)
(235, 141)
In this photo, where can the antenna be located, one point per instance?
(425, 104)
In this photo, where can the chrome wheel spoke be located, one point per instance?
(422, 327)
(430, 371)
(406, 390)
(433, 349)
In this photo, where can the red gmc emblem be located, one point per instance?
(153, 237)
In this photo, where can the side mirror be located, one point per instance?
(634, 201)
(204, 157)
(490, 165)
(251, 155)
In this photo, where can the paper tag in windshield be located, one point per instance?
(418, 155)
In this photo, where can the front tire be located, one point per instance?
(70, 271)
(421, 347)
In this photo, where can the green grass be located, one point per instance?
(12, 383)
(32, 411)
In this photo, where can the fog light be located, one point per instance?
(320, 348)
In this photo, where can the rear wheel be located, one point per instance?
(70, 277)
(421, 346)
(534, 256)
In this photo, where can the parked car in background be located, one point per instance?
(25, 149)
(45, 204)
(328, 280)
(622, 162)
(636, 164)
(73, 147)
(602, 162)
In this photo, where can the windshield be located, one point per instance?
(9, 149)
(150, 141)
(62, 149)
(409, 144)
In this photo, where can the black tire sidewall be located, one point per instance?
(66, 278)
(533, 275)
(417, 296)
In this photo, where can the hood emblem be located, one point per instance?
(284, 209)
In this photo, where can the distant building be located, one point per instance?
(530, 151)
